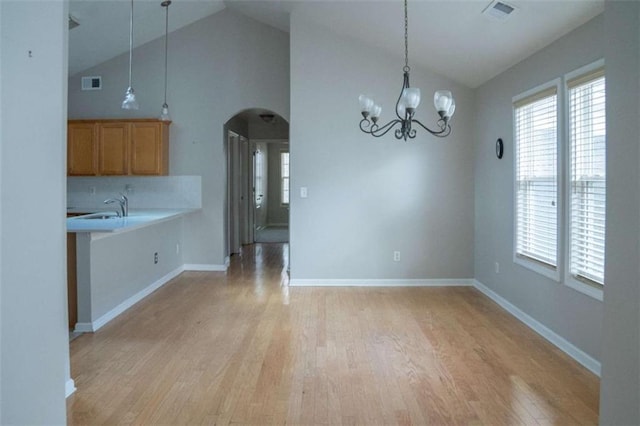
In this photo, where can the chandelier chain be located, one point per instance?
(406, 38)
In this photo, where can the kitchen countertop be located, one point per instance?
(137, 218)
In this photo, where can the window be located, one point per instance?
(284, 178)
(560, 179)
(259, 178)
(536, 186)
(587, 134)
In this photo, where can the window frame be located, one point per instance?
(539, 267)
(593, 290)
(282, 178)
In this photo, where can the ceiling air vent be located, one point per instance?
(499, 10)
(73, 22)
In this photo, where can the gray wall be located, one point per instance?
(620, 385)
(573, 315)
(367, 196)
(35, 342)
(258, 129)
(116, 275)
(276, 212)
(218, 66)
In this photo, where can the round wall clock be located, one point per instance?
(499, 148)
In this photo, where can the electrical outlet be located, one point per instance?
(92, 190)
(155, 258)
(396, 256)
(497, 268)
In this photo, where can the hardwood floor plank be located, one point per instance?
(244, 348)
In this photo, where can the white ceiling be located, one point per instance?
(451, 37)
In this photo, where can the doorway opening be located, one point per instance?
(257, 147)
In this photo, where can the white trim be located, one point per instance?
(583, 70)
(83, 327)
(69, 388)
(304, 282)
(560, 342)
(104, 319)
(207, 267)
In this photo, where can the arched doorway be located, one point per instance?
(257, 148)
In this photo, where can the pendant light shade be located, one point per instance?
(164, 115)
(130, 101)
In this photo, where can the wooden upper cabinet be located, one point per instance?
(118, 147)
(113, 148)
(82, 149)
(149, 149)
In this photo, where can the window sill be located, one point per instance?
(591, 291)
(538, 268)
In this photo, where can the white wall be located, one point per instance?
(620, 385)
(368, 197)
(35, 342)
(573, 315)
(218, 66)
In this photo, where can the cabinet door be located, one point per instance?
(113, 148)
(82, 155)
(148, 149)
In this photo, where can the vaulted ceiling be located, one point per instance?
(451, 37)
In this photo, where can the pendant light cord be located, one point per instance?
(406, 38)
(130, 41)
(166, 47)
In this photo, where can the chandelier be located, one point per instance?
(406, 105)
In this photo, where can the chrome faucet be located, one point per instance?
(124, 204)
(125, 200)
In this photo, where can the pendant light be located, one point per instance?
(406, 105)
(164, 116)
(130, 97)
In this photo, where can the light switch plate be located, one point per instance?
(303, 192)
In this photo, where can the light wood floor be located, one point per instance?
(244, 348)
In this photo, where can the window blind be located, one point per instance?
(588, 177)
(284, 173)
(537, 177)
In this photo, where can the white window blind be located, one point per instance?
(588, 177)
(284, 173)
(259, 178)
(537, 177)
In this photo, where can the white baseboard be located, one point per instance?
(69, 388)
(577, 354)
(100, 322)
(207, 267)
(380, 282)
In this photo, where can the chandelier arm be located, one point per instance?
(405, 85)
(375, 130)
(443, 132)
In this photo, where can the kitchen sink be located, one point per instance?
(99, 216)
